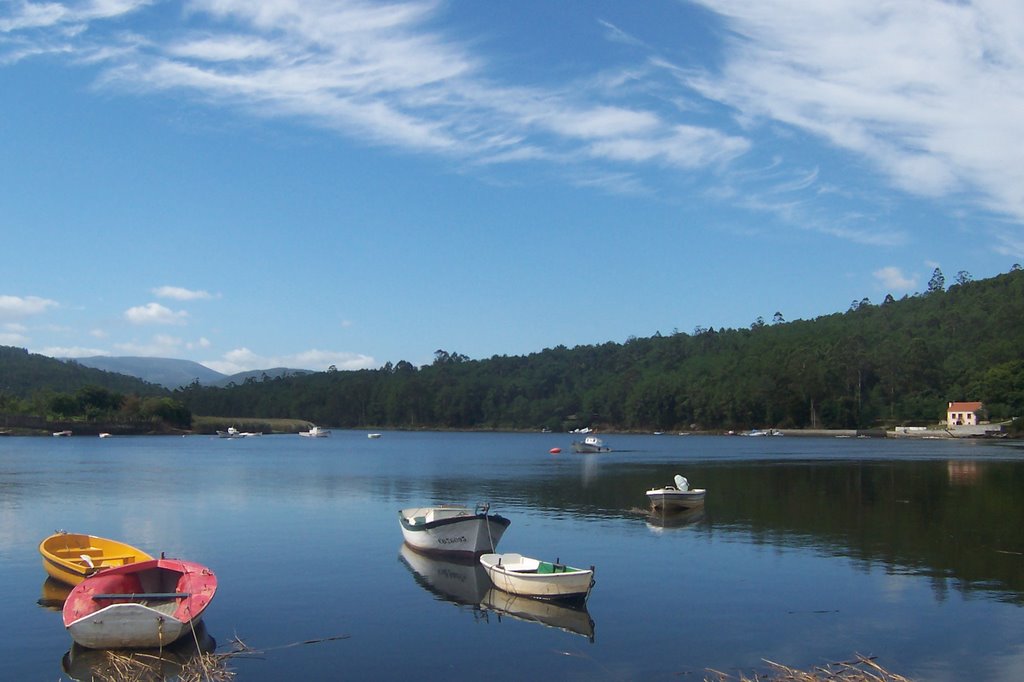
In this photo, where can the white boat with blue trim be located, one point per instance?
(452, 529)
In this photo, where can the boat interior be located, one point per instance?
(87, 555)
(520, 564)
(424, 515)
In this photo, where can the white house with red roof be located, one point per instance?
(964, 414)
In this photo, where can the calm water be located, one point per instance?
(808, 551)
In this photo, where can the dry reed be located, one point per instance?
(863, 669)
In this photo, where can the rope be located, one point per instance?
(487, 521)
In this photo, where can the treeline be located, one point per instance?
(23, 373)
(37, 386)
(897, 362)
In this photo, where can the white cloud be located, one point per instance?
(181, 294)
(160, 346)
(929, 91)
(381, 74)
(31, 15)
(154, 313)
(243, 359)
(70, 352)
(17, 307)
(11, 338)
(892, 279)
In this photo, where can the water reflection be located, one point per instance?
(464, 582)
(659, 520)
(54, 594)
(180, 660)
(963, 473)
(568, 618)
(460, 581)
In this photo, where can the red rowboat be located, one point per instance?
(142, 605)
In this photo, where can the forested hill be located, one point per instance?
(23, 374)
(894, 362)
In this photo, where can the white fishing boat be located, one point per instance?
(452, 529)
(528, 577)
(61, 434)
(590, 444)
(679, 496)
(316, 432)
(373, 435)
(232, 432)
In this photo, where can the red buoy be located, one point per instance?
(555, 451)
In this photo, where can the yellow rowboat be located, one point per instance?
(72, 557)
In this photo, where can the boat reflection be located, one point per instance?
(464, 582)
(460, 581)
(181, 660)
(660, 520)
(54, 594)
(574, 619)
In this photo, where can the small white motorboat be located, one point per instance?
(452, 529)
(590, 444)
(232, 432)
(316, 432)
(373, 435)
(680, 496)
(528, 577)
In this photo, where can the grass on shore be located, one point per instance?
(211, 425)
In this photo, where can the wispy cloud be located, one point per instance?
(13, 335)
(181, 293)
(70, 352)
(159, 345)
(18, 307)
(928, 91)
(378, 73)
(154, 313)
(892, 279)
(243, 359)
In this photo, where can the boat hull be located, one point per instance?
(145, 605)
(585, 449)
(450, 529)
(161, 663)
(672, 499)
(527, 577)
(63, 553)
(127, 626)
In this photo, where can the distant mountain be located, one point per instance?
(166, 372)
(258, 374)
(172, 373)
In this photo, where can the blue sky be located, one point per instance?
(251, 184)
